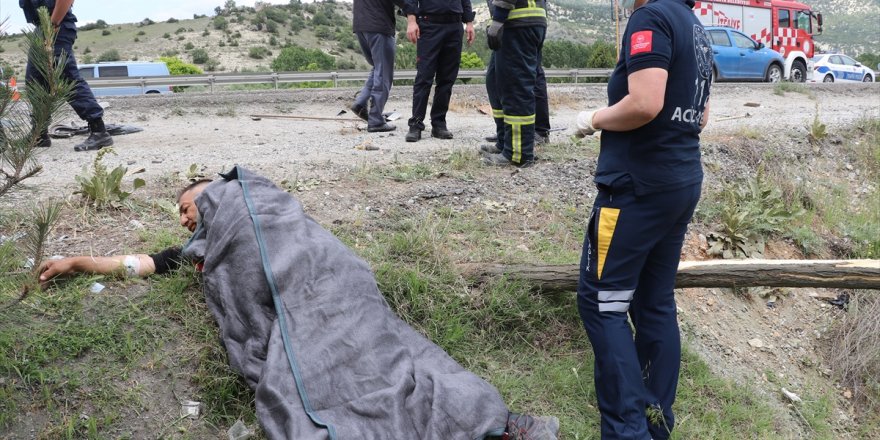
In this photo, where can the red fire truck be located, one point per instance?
(785, 26)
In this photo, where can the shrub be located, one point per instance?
(188, 46)
(212, 65)
(172, 20)
(296, 58)
(259, 52)
(110, 55)
(219, 22)
(199, 56)
(166, 35)
(141, 33)
(105, 32)
(180, 30)
(176, 66)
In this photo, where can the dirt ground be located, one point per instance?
(743, 340)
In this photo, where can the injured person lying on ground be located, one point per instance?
(303, 321)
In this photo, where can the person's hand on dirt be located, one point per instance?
(52, 268)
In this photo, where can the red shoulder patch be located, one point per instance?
(640, 42)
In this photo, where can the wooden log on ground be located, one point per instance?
(847, 274)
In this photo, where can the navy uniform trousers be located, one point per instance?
(631, 253)
(81, 98)
(438, 57)
(510, 83)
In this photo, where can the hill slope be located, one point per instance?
(244, 38)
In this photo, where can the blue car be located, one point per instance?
(740, 58)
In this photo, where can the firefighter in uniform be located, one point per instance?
(81, 98)
(649, 177)
(515, 35)
(435, 27)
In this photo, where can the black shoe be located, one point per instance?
(44, 141)
(96, 141)
(489, 149)
(525, 427)
(381, 128)
(493, 138)
(498, 160)
(414, 135)
(441, 133)
(360, 112)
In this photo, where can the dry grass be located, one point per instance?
(855, 350)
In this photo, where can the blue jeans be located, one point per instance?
(378, 49)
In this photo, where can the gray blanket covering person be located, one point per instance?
(304, 322)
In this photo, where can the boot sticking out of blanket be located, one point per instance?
(526, 427)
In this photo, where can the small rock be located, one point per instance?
(710, 302)
(752, 104)
(847, 393)
(136, 224)
(757, 343)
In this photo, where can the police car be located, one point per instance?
(833, 67)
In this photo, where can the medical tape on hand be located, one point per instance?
(132, 265)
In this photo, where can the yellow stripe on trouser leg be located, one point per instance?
(607, 223)
(516, 123)
(497, 113)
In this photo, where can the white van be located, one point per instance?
(125, 69)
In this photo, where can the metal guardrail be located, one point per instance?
(275, 78)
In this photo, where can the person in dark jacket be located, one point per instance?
(516, 36)
(434, 26)
(649, 177)
(373, 23)
(81, 98)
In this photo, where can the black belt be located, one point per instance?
(440, 18)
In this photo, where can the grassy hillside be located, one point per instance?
(247, 39)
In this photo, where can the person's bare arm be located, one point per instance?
(647, 92)
(61, 8)
(132, 265)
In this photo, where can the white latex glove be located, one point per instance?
(584, 126)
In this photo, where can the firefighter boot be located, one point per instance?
(98, 137)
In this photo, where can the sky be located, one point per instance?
(125, 11)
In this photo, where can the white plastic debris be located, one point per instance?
(791, 396)
(239, 431)
(96, 288)
(190, 408)
(29, 263)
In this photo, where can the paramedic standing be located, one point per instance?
(516, 36)
(649, 176)
(434, 26)
(81, 98)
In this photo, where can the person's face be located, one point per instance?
(188, 210)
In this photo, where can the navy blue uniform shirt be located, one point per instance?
(663, 154)
(30, 11)
(442, 7)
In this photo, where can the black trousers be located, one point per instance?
(438, 57)
(511, 82)
(81, 98)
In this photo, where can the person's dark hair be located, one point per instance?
(192, 186)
